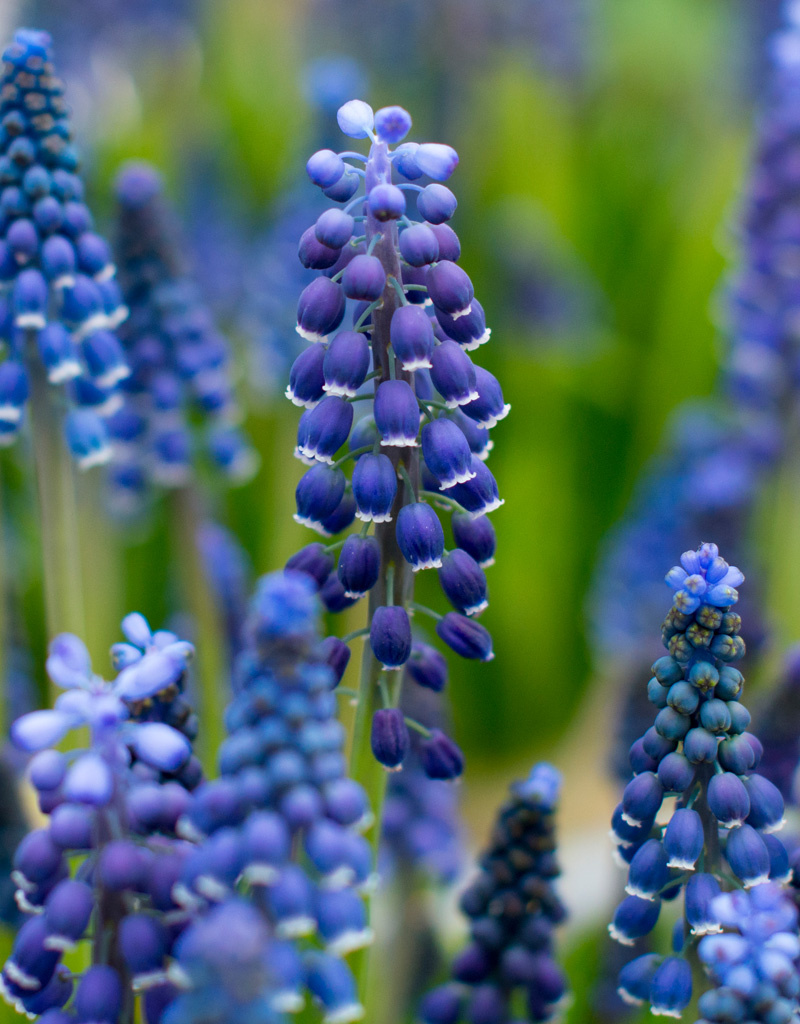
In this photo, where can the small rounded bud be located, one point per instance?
(441, 757)
(364, 278)
(334, 228)
(325, 168)
(374, 488)
(420, 536)
(427, 667)
(392, 124)
(386, 202)
(419, 245)
(390, 636)
(390, 739)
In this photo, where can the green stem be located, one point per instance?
(415, 606)
(211, 669)
(58, 519)
(363, 766)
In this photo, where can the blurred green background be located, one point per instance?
(602, 148)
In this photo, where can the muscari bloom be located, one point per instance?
(179, 398)
(698, 751)
(60, 305)
(392, 320)
(108, 853)
(513, 910)
(754, 963)
(279, 847)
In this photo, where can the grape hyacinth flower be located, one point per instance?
(698, 751)
(179, 398)
(754, 964)
(59, 302)
(392, 320)
(513, 910)
(105, 861)
(280, 828)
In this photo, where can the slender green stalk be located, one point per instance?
(58, 517)
(395, 571)
(211, 669)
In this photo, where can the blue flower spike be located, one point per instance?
(60, 303)
(720, 828)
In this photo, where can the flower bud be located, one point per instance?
(317, 495)
(441, 758)
(427, 667)
(418, 245)
(99, 994)
(463, 582)
(700, 746)
(641, 799)
(736, 754)
(346, 364)
(488, 408)
(475, 536)
(341, 517)
(412, 337)
(465, 636)
(714, 716)
(436, 203)
(635, 978)
(453, 374)
(356, 119)
(671, 989)
(364, 278)
(469, 330)
(390, 739)
(325, 168)
(683, 839)
(396, 414)
(331, 982)
(14, 390)
(58, 354)
(633, 919)
(306, 377)
(675, 773)
(390, 636)
(478, 496)
(450, 289)
(313, 254)
(447, 453)
(728, 799)
(649, 872)
(420, 536)
(359, 565)
(324, 429)
(320, 309)
(392, 124)
(747, 855)
(766, 804)
(336, 654)
(701, 890)
(386, 202)
(375, 488)
(334, 228)
(313, 560)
